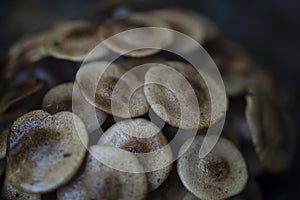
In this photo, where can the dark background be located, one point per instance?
(267, 29)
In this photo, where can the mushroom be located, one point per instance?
(178, 94)
(135, 42)
(219, 175)
(3, 143)
(65, 97)
(19, 92)
(99, 181)
(270, 125)
(144, 139)
(112, 90)
(9, 192)
(73, 40)
(45, 151)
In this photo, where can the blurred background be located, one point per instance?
(267, 29)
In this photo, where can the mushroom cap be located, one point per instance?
(113, 93)
(72, 40)
(9, 192)
(187, 87)
(138, 42)
(140, 137)
(270, 125)
(219, 175)
(99, 181)
(47, 150)
(19, 92)
(3, 143)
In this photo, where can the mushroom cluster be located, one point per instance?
(86, 132)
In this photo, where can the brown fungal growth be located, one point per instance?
(130, 43)
(45, 151)
(72, 40)
(184, 100)
(270, 125)
(110, 91)
(99, 181)
(20, 92)
(219, 175)
(140, 137)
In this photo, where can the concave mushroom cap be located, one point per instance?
(140, 39)
(45, 151)
(9, 192)
(66, 96)
(73, 40)
(270, 125)
(19, 92)
(99, 181)
(3, 143)
(183, 100)
(110, 91)
(219, 175)
(140, 137)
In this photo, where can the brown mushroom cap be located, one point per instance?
(45, 151)
(72, 40)
(270, 125)
(123, 97)
(219, 175)
(140, 136)
(9, 192)
(135, 39)
(98, 181)
(3, 143)
(19, 92)
(159, 96)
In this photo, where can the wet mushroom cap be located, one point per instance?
(135, 43)
(171, 104)
(110, 91)
(99, 181)
(219, 175)
(140, 137)
(72, 40)
(270, 125)
(47, 150)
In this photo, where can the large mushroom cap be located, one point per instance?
(140, 136)
(219, 175)
(270, 125)
(138, 42)
(98, 181)
(110, 91)
(183, 100)
(45, 151)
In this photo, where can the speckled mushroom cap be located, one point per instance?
(135, 39)
(219, 175)
(98, 181)
(270, 125)
(72, 40)
(140, 136)
(45, 151)
(19, 92)
(106, 90)
(193, 100)
(64, 97)
(9, 192)
(3, 143)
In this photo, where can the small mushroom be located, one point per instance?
(99, 181)
(219, 175)
(19, 92)
(181, 97)
(3, 143)
(111, 90)
(140, 137)
(9, 192)
(73, 40)
(66, 96)
(270, 125)
(45, 151)
(138, 42)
